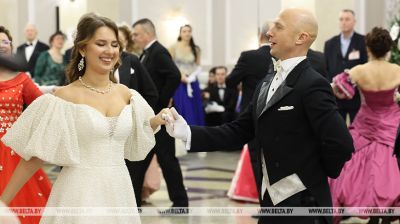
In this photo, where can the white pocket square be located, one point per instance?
(132, 71)
(286, 108)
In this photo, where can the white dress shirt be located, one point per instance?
(221, 91)
(345, 43)
(29, 49)
(290, 185)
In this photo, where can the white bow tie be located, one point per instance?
(277, 65)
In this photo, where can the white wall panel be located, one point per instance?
(222, 28)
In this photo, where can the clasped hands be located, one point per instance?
(175, 124)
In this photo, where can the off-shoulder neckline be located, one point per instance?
(88, 106)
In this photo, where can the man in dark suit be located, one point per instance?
(251, 67)
(29, 51)
(345, 51)
(300, 137)
(134, 75)
(223, 96)
(166, 77)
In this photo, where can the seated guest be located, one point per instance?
(222, 101)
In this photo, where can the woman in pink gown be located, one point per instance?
(372, 177)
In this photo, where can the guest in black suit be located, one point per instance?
(132, 74)
(166, 77)
(222, 95)
(29, 51)
(251, 67)
(205, 94)
(300, 137)
(345, 51)
(317, 61)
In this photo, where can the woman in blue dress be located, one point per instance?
(187, 98)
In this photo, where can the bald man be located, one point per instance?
(300, 137)
(30, 50)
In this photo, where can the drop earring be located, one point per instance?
(81, 64)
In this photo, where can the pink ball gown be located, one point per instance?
(372, 176)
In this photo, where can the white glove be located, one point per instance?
(177, 127)
(214, 107)
(12, 219)
(193, 76)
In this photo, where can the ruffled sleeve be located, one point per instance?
(344, 84)
(141, 139)
(46, 130)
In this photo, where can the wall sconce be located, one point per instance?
(175, 20)
(172, 24)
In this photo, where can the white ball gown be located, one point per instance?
(90, 147)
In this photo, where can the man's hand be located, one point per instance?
(176, 126)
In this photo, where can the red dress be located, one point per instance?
(14, 94)
(243, 186)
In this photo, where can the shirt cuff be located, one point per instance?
(189, 139)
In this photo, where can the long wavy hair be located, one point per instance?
(192, 45)
(87, 26)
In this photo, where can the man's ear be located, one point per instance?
(302, 38)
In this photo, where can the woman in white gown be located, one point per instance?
(88, 127)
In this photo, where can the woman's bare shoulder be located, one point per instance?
(67, 92)
(355, 72)
(124, 91)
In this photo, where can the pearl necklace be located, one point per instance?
(94, 89)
